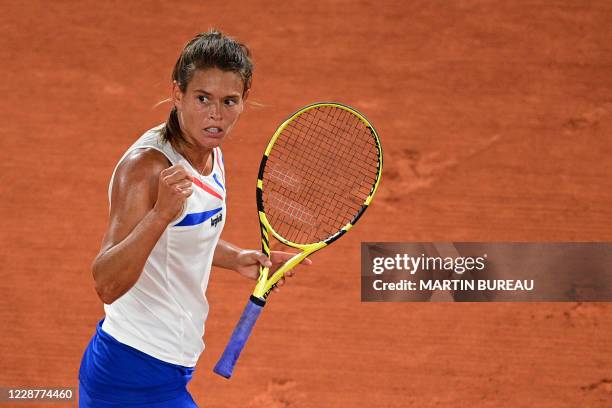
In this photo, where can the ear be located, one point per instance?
(245, 95)
(177, 95)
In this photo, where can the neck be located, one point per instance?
(199, 158)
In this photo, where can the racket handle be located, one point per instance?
(241, 334)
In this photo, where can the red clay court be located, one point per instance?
(495, 118)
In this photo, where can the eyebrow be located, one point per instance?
(234, 95)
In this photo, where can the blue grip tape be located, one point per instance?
(241, 334)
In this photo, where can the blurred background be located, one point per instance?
(495, 118)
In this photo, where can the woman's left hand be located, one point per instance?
(248, 262)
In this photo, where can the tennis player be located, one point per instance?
(167, 211)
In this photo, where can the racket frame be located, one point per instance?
(266, 283)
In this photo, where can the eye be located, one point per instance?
(203, 98)
(231, 102)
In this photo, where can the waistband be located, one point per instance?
(116, 372)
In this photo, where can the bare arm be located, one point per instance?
(227, 255)
(146, 196)
(246, 261)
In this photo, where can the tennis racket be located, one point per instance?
(317, 177)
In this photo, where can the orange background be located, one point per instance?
(495, 118)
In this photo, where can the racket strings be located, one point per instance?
(320, 171)
(356, 170)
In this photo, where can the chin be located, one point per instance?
(211, 142)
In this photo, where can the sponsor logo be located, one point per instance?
(215, 220)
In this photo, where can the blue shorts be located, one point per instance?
(113, 374)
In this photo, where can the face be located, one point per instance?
(210, 106)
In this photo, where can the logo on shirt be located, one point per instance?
(215, 220)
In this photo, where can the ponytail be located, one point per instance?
(207, 50)
(172, 129)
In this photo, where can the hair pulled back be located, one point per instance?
(212, 49)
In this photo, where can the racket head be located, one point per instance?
(318, 175)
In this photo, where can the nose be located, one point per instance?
(214, 111)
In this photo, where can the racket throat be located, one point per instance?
(265, 295)
(262, 290)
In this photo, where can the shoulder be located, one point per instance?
(142, 163)
(138, 174)
(219, 156)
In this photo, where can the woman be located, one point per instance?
(167, 210)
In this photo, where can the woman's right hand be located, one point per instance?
(146, 196)
(174, 187)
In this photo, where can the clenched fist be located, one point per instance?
(174, 187)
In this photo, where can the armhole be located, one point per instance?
(112, 180)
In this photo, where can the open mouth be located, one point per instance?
(213, 131)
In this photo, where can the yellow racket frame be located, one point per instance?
(266, 283)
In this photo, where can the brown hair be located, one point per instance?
(212, 49)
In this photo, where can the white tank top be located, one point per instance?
(163, 314)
